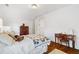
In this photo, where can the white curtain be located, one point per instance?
(1, 24)
(39, 25)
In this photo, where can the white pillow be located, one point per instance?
(6, 39)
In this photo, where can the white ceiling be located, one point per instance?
(25, 9)
(46, 8)
(20, 13)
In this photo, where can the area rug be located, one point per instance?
(56, 51)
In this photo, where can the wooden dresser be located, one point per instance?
(65, 38)
(24, 30)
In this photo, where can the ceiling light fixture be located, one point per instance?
(34, 5)
(7, 5)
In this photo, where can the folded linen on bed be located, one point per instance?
(37, 38)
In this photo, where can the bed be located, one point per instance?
(41, 42)
(31, 44)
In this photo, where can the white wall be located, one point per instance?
(14, 15)
(63, 20)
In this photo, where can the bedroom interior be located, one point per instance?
(39, 29)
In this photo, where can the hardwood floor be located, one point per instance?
(63, 48)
